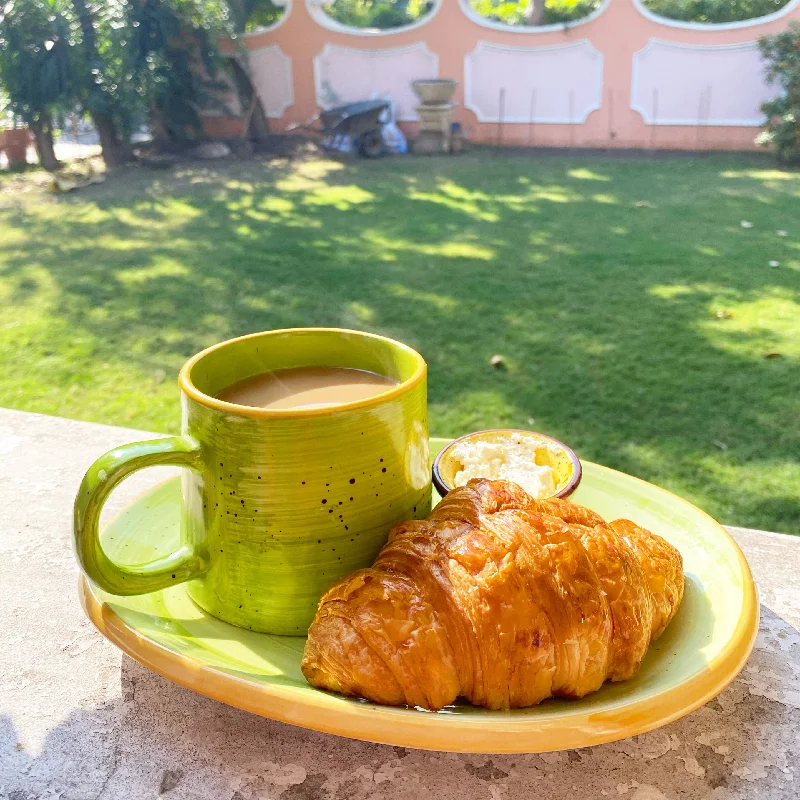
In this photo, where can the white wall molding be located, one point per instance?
(714, 26)
(540, 90)
(271, 70)
(319, 15)
(353, 74)
(485, 22)
(666, 87)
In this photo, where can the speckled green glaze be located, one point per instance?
(277, 505)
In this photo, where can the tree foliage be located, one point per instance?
(381, 14)
(782, 55)
(123, 62)
(34, 56)
(246, 15)
(532, 12)
(528, 12)
(106, 90)
(714, 11)
(173, 58)
(35, 66)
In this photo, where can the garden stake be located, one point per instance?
(501, 116)
(611, 134)
(655, 120)
(572, 119)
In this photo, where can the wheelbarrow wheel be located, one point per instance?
(370, 144)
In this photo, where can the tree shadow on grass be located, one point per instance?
(597, 281)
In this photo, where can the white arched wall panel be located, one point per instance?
(347, 74)
(681, 84)
(272, 76)
(560, 84)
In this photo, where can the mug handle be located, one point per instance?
(98, 483)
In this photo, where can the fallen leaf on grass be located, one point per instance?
(773, 355)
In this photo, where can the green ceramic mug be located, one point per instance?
(277, 503)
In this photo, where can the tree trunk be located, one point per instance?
(42, 131)
(534, 12)
(257, 124)
(161, 137)
(114, 152)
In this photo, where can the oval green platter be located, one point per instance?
(702, 650)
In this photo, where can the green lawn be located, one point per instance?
(632, 307)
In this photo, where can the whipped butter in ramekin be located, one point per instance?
(541, 465)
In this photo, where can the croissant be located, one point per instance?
(497, 598)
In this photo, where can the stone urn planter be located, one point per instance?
(15, 142)
(434, 91)
(435, 114)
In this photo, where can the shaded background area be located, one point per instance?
(633, 309)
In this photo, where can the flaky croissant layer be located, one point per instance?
(497, 598)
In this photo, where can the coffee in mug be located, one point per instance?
(306, 387)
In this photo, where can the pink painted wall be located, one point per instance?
(624, 78)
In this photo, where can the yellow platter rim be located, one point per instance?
(476, 733)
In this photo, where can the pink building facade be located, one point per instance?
(620, 78)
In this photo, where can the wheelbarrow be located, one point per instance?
(359, 121)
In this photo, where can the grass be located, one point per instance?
(633, 310)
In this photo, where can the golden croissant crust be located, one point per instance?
(497, 598)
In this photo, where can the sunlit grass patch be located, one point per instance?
(637, 318)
